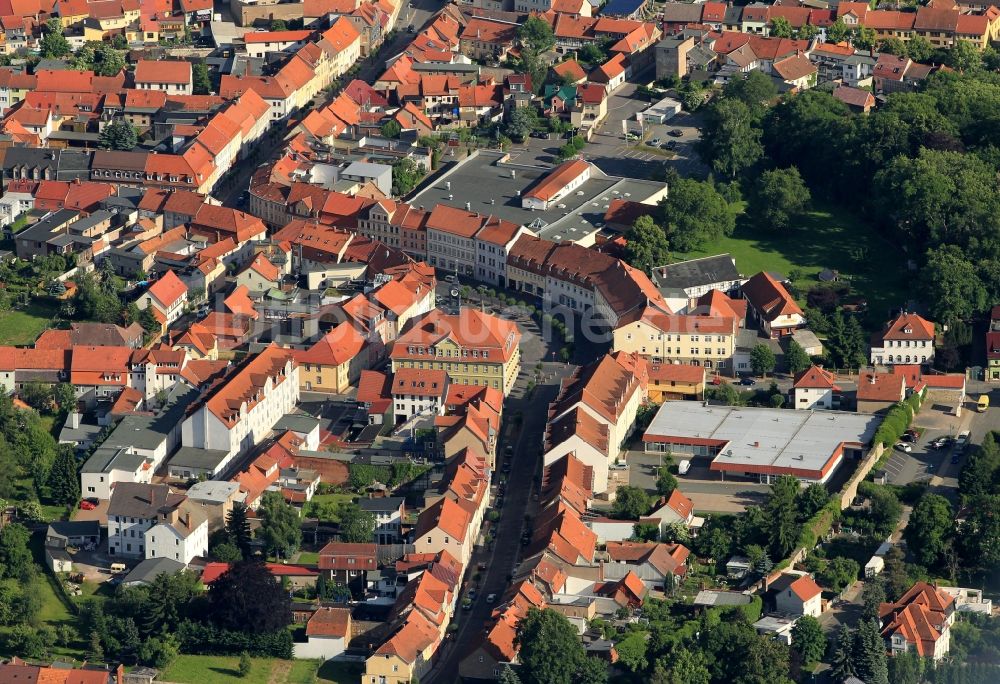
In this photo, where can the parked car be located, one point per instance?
(653, 142)
(676, 133)
(491, 598)
(907, 438)
(963, 440)
(670, 145)
(87, 505)
(903, 446)
(954, 459)
(747, 381)
(539, 134)
(466, 604)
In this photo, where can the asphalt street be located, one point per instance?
(502, 557)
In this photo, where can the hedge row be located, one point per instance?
(203, 639)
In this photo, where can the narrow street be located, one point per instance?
(500, 560)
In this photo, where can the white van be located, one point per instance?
(684, 467)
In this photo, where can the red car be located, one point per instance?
(87, 505)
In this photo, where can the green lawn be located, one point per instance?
(332, 503)
(22, 326)
(193, 669)
(339, 673)
(828, 237)
(308, 558)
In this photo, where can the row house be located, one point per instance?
(580, 280)
(242, 409)
(601, 398)
(471, 244)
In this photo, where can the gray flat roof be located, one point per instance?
(296, 422)
(489, 189)
(201, 459)
(213, 491)
(777, 439)
(366, 169)
(721, 598)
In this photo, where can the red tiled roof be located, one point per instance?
(769, 297)
(887, 387)
(815, 377)
(909, 326)
(330, 622)
(168, 71)
(168, 289)
(805, 588)
(558, 179)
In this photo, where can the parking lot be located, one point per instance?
(615, 155)
(704, 488)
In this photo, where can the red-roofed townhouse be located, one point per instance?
(418, 392)
(374, 396)
(344, 563)
(444, 526)
(170, 76)
(815, 388)
(797, 595)
(909, 338)
(335, 362)
(261, 274)
(675, 509)
(772, 306)
(487, 39)
(167, 296)
(590, 106)
(240, 411)
(594, 414)
(919, 622)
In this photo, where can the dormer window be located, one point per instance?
(907, 330)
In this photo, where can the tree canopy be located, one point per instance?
(550, 650)
(280, 528)
(247, 597)
(695, 214)
(647, 245)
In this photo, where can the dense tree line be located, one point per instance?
(922, 168)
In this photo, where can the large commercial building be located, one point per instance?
(761, 443)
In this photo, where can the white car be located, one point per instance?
(903, 446)
(491, 598)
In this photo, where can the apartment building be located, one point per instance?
(135, 508)
(473, 347)
(907, 339)
(706, 337)
(243, 408)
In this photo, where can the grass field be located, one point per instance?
(828, 237)
(332, 503)
(193, 669)
(339, 673)
(22, 326)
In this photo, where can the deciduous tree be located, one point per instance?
(808, 639)
(780, 197)
(647, 245)
(762, 359)
(631, 503)
(118, 135)
(928, 532)
(356, 525)
(550, 651)
(247, 598)
(280, 527)
(695, 214)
